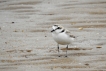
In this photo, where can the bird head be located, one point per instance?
(57, 28)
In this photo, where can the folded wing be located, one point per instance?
(68, 33)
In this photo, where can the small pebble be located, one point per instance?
(48, 2)
(81, 28)
(5, 42)
(15, 31)
(28, 50)
(87, 64)
(12, 22)
(98, 47)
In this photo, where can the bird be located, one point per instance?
(61, 36)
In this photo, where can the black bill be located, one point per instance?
(52, 30)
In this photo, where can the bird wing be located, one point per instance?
(68, 32)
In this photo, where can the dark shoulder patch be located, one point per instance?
(72, 36)
(62, 30)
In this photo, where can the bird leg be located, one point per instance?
(58, 51)
(66, 50)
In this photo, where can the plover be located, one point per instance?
(61, 36)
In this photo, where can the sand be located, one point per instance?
(26, 43)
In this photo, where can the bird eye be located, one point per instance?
(59, 28)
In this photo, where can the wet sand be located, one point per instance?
(26, 43)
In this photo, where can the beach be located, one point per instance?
(26, 43)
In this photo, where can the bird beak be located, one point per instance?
(52, 30)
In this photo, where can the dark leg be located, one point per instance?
(66, 50)
(58, 51)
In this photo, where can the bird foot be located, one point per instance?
(65, 56)
(58, 56)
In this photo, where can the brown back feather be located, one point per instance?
(67, 32)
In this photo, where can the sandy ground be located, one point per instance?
(26, 43)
